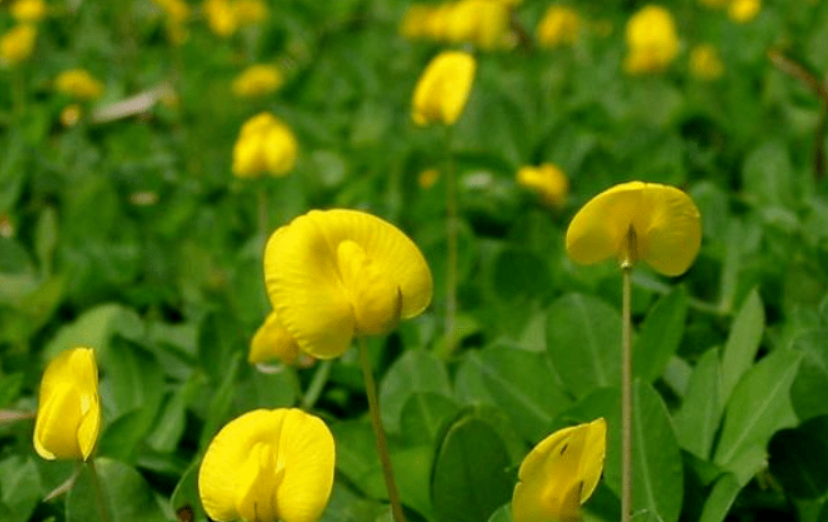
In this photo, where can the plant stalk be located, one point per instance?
(382, 443)
(451, 249)
(626, 396)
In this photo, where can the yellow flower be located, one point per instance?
(415, 22)
(484, 23)
(443, 88)
(705, 62)
(559, 26)
(257, 80)
(428, 178)
(651, 40)
(176, 10)
(17, 44)
(70, 115)
(743, 11)
(220, 16)
(547, 180)
(79, 84)
(334, 274)
(28, 11)
(68, 413)
(249, 12)
(272, 341)
(560, 474)
(654, 223)
(265, 144)
(268, 466)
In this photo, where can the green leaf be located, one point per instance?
(46, 234)
(10, 386)
(423, 415)
(417, 371)
(185, 495)
(20, 487)
(742, 343)
(523, 384)
(132, 380)
(721, 497)
(660, 335)
(127, 495)
(171, 423)
(221, 402)
(759, 407)
(697, 422)
(504, 514)
(810, 387)
(94, 328)
(799, 459)
(768, 174)
(584, 342)
(469, 479)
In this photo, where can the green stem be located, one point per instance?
(382, 444)
(626, 397)
(262, 209)
(99, 494)
(451, 249)
(320, 378)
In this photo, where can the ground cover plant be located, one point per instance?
(366, 260)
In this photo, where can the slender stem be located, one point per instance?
(626, 398)
(99, 494)
(451, 248)
(382, 444)
(320, 377)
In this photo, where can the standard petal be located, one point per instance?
(55, 435)
(375, 299)
(272, 341)
(673, 237)
(592, 460)
(306, 454)
(443, 89)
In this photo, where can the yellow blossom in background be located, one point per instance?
(636, 221)
(28, 11)
(743, 11)
(268, 466)
(652, 42)
(559, 26)
(249, 12)
(70, 115)
(483, 23)
(332, 275)
(177, 13)
(272, 341)
(443, 89)
(415, 21)
(428, 178)
(548, 181)
(17, 44)
(265, 144)
(221, 18)
(79, 84)
(705, 62)
(560, 474)
(257, 80)
(68, 412)
(438, 21)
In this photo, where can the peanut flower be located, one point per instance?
(547, 180)
(268, 466)
(483, 23)
(560, 474)
(79, 84)
(651, 40)
(28, 11)
(705, 63)
(17, 44)
(272, 341)
(69, 412)
(560, 26)
(415, 21)
(334, 274)
(443, 88)
(265, 144)
(221, 17)
(257, 80)
(743, 11)
(636, 221)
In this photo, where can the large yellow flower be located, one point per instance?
(17, 44)
(334, 274)
(559, 26)
(652, 42)
(258, 80)
(654, 223)
(443, 88)
(268, 466)
(265, 144)
(78, 83)
(560, 474)
(68, 413)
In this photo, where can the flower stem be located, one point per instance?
(382, 444)
(99, 494)
(320, 378)
(626, 397)
(451, 249)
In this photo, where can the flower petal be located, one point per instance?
(443, 89)
(272, 341)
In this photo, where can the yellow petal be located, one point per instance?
(69, 415)
(305, 281)
(559, 474)
(375, 300)
(272, 341)
(268, 466)
(280, 149)
(664, 220)
(443, 88)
